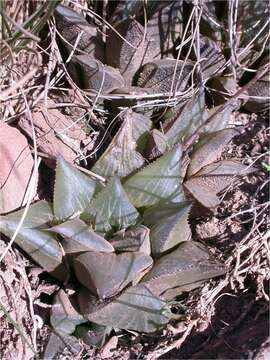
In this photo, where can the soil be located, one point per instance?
(225, 319)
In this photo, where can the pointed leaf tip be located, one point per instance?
(209, 149)
(64, 317)
(170, 230)
(214, 178)
(111, 207)
(161, 180)
(121, 157)
(135, 309)
(78, 237)
(37, 243)
(105, 275)
(182, 270)
(72, 191)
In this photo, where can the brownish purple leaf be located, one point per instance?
(158, 75)
(93, 75)
(106, 275)
(121, 55)
(214, 178)
(209, 149)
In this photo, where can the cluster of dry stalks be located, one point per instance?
(25, 80)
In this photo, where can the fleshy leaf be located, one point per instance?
(252, 17)
(135, 309)
(64, 318)
(181, 270)
(156, 145)
(259, 94)
(158, 75)
(159, 212)
(134, 239)
(77, 237)
(157, 181)
(220, 120)
(111, 207)
(185, 119)
(165, 25)
(121, 157)
(214, 178)
(70, 25)
(93, 75)
(105, 275)
(41, 246)
(38, 214)
(170, 231)
(209, 149)
(223, 87)
(93, 334)
(211, 25)
(57, 344)
(72, 191)
(121, 55)
(211, 57)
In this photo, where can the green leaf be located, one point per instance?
(78, 237)
(64, 318)
(121, 157)
(111, 208)
(38, 214)
(135, 309)
(170, 231)
(105, 275)
(72, 191)
(220, 120)
(181, 270)
(157, 181)
(160, 212)
(266, 166)
(184, 120)
(214, 178)
(134, 239)
(41, 246)
(209, 149)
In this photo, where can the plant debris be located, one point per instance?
(130, 200)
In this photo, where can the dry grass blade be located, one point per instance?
(124, 211)
(14, 323)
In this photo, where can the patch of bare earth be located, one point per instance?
(23, 332)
